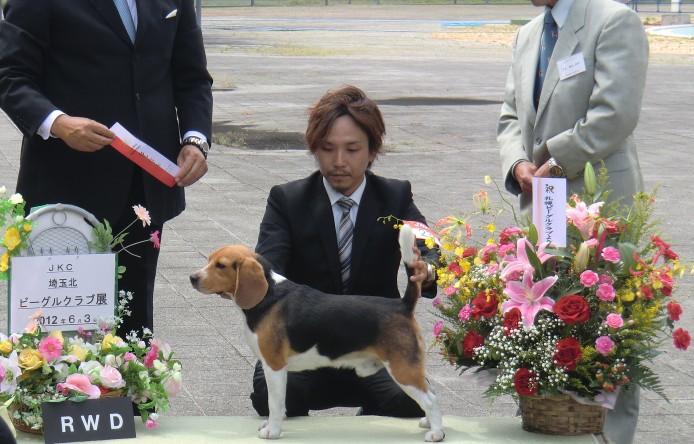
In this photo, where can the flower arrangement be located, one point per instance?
(14, 239)
(36, 367)
(529, 318)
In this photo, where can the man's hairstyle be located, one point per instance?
(350, 101)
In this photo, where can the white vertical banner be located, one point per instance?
(549, 210)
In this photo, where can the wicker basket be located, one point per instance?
(22, 426)
(560, 415)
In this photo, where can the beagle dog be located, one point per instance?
(292, 327)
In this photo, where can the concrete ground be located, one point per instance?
(439, 86)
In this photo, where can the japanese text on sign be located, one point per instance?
(72, 292)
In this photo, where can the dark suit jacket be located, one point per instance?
(297, 235)
(76, 56)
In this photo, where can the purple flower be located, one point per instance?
(438, 326)
(604, 345)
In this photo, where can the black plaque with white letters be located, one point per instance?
(90, 420)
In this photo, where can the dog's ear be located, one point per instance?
(251, 284)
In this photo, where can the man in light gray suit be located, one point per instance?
(585, 110)
(590, 100)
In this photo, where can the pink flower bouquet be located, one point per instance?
(586, 319)
(37, 367)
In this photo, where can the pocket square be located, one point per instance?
(172, 14)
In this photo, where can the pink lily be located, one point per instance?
(529, 297)
(519, 264)
(584, 217)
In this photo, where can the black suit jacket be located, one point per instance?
(297, 235)
(77, 57)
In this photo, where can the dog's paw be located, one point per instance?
(266, 433)
(434, 436)
(263, 424)
(424, 423)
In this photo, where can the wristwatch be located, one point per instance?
(198, 142)
(431, 273)
(554, 169)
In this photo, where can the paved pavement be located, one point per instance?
(440, 98)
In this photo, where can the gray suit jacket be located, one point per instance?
(589, 117)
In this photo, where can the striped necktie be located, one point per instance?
(550, 34)
(344, 239)
(126, 16)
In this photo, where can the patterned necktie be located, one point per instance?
(344, 239)
(126, 16)
(550, 33)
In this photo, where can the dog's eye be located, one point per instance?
(235, 265)
(220, 265)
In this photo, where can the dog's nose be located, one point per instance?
(194, 279)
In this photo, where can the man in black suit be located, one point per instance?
(68, 71)
(299, 235)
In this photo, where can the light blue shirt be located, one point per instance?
(560, 11)
(335, 195)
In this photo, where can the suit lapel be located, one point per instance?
(144, 18)
(322, 212)
(564, 48)
(108, 11)
(369, 207)
(531, 55)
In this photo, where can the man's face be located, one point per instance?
(344, 155)
(549, 3)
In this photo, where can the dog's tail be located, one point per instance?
(406, 240)
(414, 289)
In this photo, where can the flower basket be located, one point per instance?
(560, 415)
(19, 424)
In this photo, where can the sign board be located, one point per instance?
(72, 291)
(90, 420)
(549, 210)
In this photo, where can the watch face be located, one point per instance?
(556, 171)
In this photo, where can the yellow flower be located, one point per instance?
(30, 359)
(626, 296)
(78, 352)
(491, 228)
(487, 179)
(110, 339)
(429, 242)
(5, 347)
(27, 227)
(5, 262)
(12, 238)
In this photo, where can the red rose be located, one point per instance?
(471, 341)
(525, 382)
(567, 354)
(485, 304)
(682, 338)
(674, 310)
(469, 252)
(512, 319)
(572, 309)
